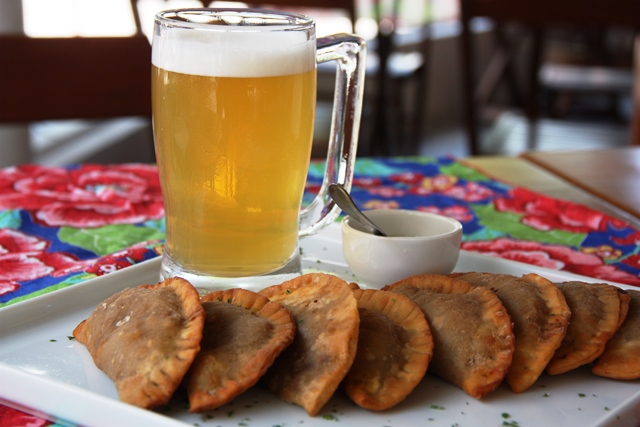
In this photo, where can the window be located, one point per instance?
(94, 18)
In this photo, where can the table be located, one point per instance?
(503, 203)
(529, 170)
(613, 175)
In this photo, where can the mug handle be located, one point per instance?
(349, 52)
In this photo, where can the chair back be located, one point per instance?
(74, 78)
(635, 119)
(556, 12)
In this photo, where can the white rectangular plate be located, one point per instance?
(45, 372)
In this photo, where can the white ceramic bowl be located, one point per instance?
(417, 243)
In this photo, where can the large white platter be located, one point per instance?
(43, 371)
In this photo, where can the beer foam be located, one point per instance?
(233, 54)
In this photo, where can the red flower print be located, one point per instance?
(13, 241)
(10, 417)
(8, 286)
(381, 204)
(544, 213)
(312, 188)
(554, 257)
(387, 192)
(108, 263)
(410, 178)
(24, 257)
(90, 196)
(632, 261)
(470, 192)
(366, 182)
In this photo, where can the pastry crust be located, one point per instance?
(394, 349)
(620, 358)
(472, 332)
(597, 311)
(540, 317)
(243, 334)
(325, 311)
(145, 338)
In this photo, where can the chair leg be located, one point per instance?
(421, 92)
(419, 109)
(471, 120)
(509, 68)
(381, 135)
(534, 86)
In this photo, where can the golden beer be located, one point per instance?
(233, 154)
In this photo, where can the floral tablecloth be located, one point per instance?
(61, 226)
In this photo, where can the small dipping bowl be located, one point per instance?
(416, 243)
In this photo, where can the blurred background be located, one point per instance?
(415, 96)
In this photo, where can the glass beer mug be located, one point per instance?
(234, 96)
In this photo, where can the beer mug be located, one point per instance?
(234, 97)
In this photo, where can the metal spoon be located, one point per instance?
(346, 203)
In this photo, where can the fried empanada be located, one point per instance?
(145, 338)
(243, 334)
(325, 311)
(620, 359)
(472, 332)
(540, 317)
(394, 349)
(597, 311)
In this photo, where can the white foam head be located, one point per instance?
(233, 51)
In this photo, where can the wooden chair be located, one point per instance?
(74, 78)
(535, 15)
(77, 78)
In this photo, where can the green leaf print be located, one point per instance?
(463, 172)
(108, 239)
(510, 224)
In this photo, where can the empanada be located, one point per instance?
(394, 349)
(597, 311)
(325, 311)
(621, 357)
(472, 333)
(540, 317)
(243, 334)
(145, 338)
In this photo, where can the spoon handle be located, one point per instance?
(345, 202)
